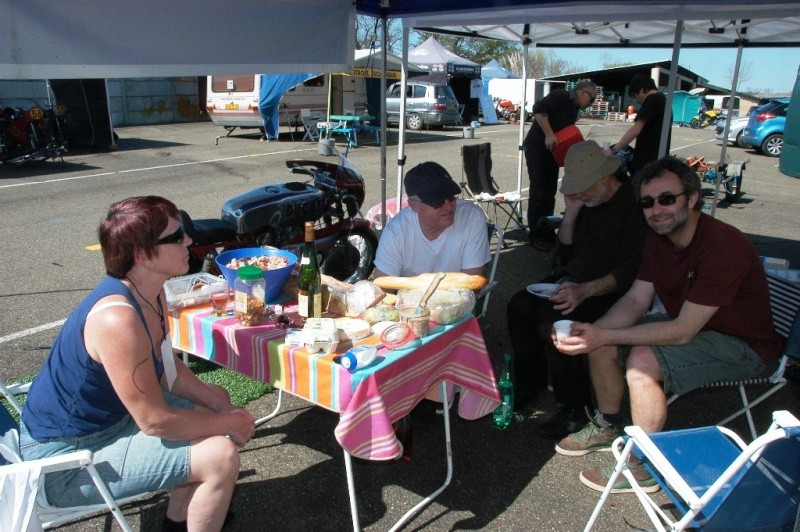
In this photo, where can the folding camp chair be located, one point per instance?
(310, 124)
(23, 493)
(713, 478)
(483, 295)
(461, 108)
(481, 187)
(784, 302)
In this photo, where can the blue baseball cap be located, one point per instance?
(431, 183)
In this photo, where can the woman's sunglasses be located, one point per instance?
(172, 238)
(667, 198)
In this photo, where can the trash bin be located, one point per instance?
(469, 133)
(326, 147)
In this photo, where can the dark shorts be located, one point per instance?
(709, 357)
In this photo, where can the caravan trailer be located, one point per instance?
(233, 101)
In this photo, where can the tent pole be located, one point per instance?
(526, 41)
(401, 140)
(666, 124)
(382, 118)
(724, 153)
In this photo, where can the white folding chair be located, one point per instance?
(785, 302)
(714, 479)
(28, 494)
(310, 125)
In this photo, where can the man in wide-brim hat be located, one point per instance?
(598, 251)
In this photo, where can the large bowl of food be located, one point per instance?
(276, 263)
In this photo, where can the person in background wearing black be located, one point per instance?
(599, 245)
(646, 129)
(552, 113)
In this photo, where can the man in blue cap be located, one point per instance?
(437, 232)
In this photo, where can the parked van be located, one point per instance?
(427, 104)
(233, 101)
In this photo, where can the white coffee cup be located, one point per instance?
(563, 329)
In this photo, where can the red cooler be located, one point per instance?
(566, 138)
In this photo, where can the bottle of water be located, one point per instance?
(505, 412)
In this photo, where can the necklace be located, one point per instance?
(158, 312)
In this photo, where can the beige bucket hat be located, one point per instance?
(585, 165)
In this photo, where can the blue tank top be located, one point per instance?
(72, 394)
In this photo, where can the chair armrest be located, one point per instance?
(52, 464)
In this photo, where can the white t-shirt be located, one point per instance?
(404, 251)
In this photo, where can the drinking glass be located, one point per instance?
(220, 297)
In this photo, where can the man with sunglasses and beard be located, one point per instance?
(436, 232)
(717, 324)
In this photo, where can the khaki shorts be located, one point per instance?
(709, 357)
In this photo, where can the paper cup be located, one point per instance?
(563, 329)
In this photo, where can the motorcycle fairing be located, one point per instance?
(284, 204)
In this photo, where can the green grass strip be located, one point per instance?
(242, 389)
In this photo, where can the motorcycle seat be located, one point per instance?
(207, 231)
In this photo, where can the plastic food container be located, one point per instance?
(188, 290)
(446, 305)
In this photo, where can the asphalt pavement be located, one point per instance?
(293, 470)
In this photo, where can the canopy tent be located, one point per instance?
(596, 23)
(40, 39)
(272, 89)
(493, 69)
(441, 62)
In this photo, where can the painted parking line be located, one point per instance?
(32, 330)
(149, 168)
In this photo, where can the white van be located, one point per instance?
(232, 101)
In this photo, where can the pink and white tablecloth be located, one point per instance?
(368, 400)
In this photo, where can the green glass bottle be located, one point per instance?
(309, 282)
(504, 413)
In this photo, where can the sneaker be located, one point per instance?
(592, 437)
(597, 478)
(563, 423)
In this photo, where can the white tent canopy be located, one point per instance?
(40, 39)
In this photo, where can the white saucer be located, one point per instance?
(543, 290)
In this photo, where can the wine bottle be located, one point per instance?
(505, 412)
(309, 282)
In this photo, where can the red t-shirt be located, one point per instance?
(719, 268)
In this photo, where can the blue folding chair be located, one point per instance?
(714, 479)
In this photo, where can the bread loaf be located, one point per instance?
(421, 281)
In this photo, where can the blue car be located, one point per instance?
(764, 131)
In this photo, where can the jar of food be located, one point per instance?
(250, 289)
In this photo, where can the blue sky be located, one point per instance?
(771, 68)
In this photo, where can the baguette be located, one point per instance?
(421, 281)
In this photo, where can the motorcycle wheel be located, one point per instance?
(353, 257)
(695, 123)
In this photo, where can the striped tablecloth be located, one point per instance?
(369, 399)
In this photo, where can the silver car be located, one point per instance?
(427, 105)
(735, 134)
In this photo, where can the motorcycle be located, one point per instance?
(506, 110)
(706, 118)
(274, 215)
(32, 134)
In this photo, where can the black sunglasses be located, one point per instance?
(667, 198)
(440, 204)
(173, 238)
(592, 97)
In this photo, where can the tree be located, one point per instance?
(609, 62)
(368, 30)
(745, 73)
(541, 63)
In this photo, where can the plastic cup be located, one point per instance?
(220, 297)
(563, 329)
